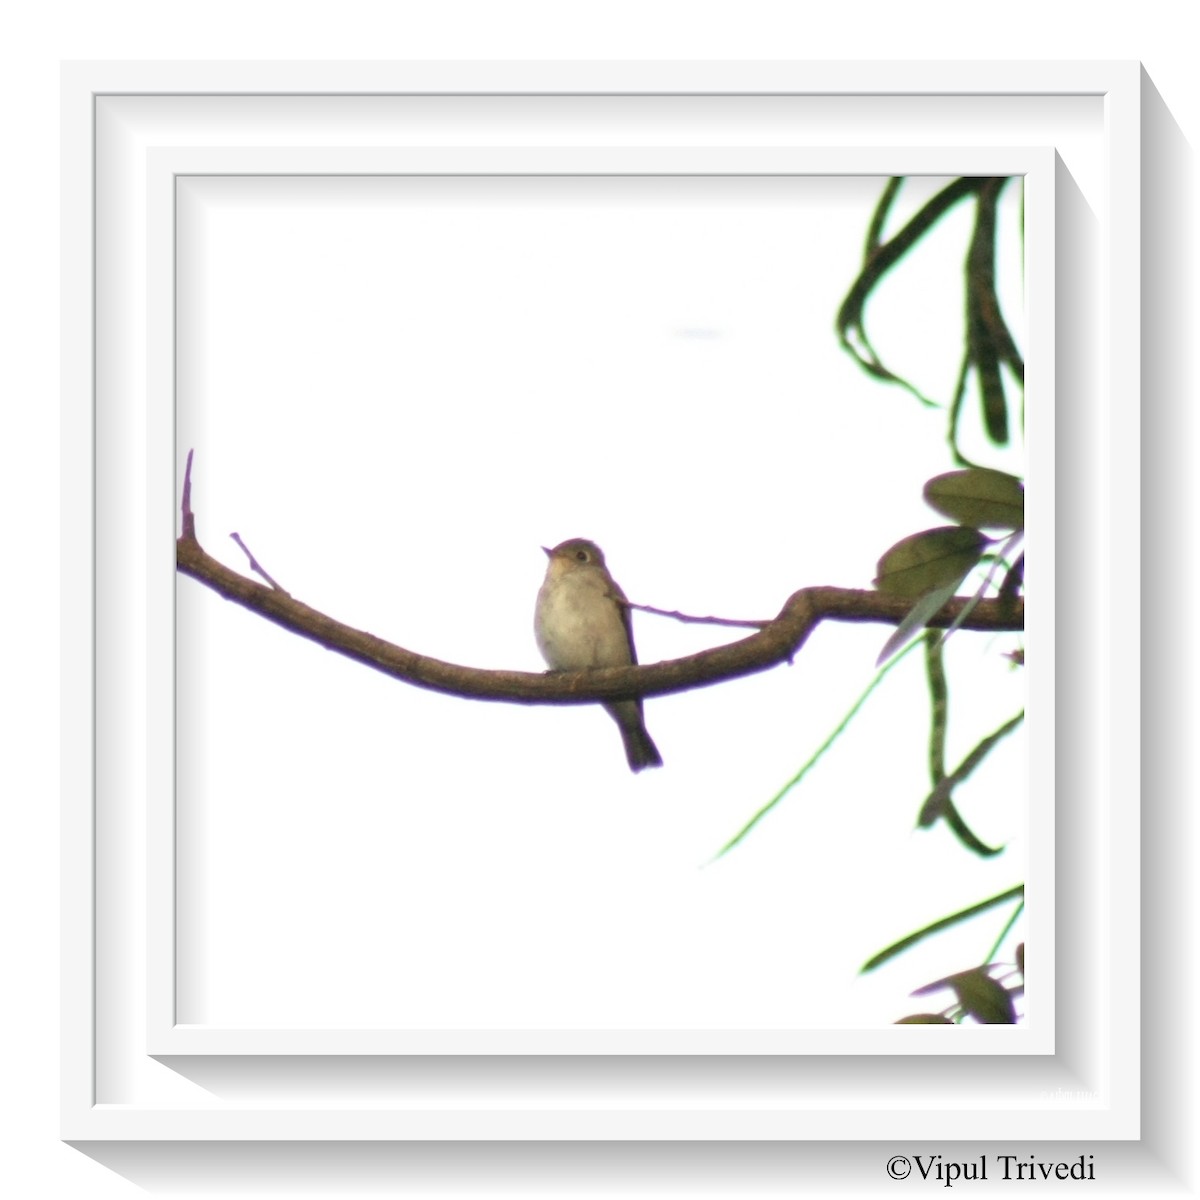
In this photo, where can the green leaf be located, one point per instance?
(921, 613)
(979, 497)
(982, 997)
(935, 802)
(985, 999)
(880, 258)
(921, 562)
(904, 943)
(925, 1019)
(961, 830)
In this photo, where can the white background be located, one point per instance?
(34, 1160)
(396, 390)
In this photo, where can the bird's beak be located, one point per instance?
(548, 553)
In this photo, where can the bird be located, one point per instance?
(582, 620)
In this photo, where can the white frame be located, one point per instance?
(1085, 1091)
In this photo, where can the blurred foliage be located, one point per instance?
(929, 566)
(988, 344)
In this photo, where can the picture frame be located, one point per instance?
(135, 130)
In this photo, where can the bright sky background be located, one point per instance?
(397, 390)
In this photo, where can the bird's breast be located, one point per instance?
(578, 624)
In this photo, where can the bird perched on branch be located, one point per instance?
(582, 620)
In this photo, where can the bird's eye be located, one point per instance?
(581, 555)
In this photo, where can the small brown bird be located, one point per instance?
(582, 621)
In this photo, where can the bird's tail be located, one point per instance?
(640, 750)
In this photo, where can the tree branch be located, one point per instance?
(675, 615)
(776, 643)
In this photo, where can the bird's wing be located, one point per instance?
(626, 616)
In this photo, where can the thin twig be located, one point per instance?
(255, 566)
(678, 616)
(189, 517)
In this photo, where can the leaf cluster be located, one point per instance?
(928, 567)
